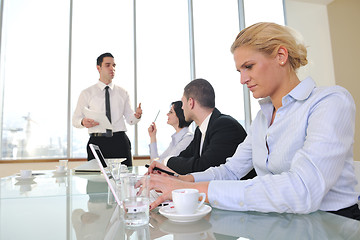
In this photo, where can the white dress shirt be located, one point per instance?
(203, 127)
(94, 99)
(179, 141)
(309, 165)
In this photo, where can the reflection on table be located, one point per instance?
(81, 207)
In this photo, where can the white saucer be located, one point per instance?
(172, 215)
(59, 172)
(20, 179)
(25, 183)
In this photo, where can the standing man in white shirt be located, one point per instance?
(115, 143)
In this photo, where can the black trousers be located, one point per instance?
(117, 146)
(349, 212)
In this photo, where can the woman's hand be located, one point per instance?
(156, 164)
(152, 132)
(165, 184)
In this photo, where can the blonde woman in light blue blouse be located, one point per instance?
(300, 142)
(179, 140)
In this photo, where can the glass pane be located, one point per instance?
(99, 27)
(216, 25)
(262, 11)
(162, 63)
(34, 72)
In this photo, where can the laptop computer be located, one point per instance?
(104, 168)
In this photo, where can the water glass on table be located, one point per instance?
(116, 167)
(135, 200)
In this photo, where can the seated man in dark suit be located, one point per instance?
(216, 137)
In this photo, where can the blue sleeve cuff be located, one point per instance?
(227, 195)
(202, 176)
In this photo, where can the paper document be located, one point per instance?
(98, 117)
(89, 166)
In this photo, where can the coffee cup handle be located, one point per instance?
(203, 195)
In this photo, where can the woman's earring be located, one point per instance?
(282, 63)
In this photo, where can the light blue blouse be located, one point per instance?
(309, 165)
(179, 142)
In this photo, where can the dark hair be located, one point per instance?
(202, 91)
(180, 114)
(100, 59)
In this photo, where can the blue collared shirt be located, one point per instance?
(179, 142)
(308, 164)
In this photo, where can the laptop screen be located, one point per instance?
(105, 170)
(109, 177)
(102, 160)
(101, 157)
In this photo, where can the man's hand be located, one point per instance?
(89, 123)
(138, 112)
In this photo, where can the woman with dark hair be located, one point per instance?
(180, 139)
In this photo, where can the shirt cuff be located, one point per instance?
(202, 176)
(153, 150)
(78, 123)
(165, 161)
(134, 120)
(227, 195)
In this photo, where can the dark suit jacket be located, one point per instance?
(223, 135)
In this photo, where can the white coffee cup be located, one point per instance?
(60, 168)
(25, 173)
(64, 163)
(186, 201)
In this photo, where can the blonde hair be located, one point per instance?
(268, 37)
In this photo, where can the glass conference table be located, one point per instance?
(79, 206)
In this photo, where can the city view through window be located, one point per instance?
(44, 65)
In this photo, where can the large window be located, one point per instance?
(163, 64)
(216, 25)
(262, 11)
(98, 28)
(48, 56)
(34, 66)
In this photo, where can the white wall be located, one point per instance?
(331, 30)
(311, 20)
(344, 19)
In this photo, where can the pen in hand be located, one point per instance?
(157, 115)
(162, 170)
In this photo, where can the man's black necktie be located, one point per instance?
(107, 107)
